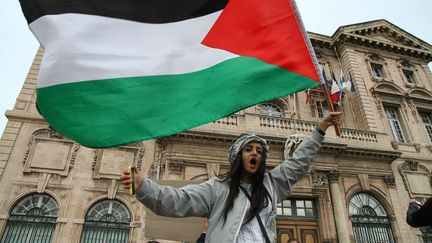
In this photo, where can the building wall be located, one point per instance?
(366, 158)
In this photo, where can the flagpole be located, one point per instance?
(320, 102)
(350, 95)
(341, 70)
(330, 105)
(324, 82)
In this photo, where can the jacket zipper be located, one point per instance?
(241, 222)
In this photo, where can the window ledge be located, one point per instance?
(407, 147)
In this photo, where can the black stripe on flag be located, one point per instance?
(146, 11)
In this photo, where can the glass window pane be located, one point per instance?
(309, 213)
(300, 203)
(288, 211)
(279, 211)
(269, 109)
(301, 212)
(287, 203)
(427, 122)
(308, 204)
(395, 124)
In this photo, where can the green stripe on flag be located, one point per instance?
(111, 112)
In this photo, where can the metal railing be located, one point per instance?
(104, 232)
(26, 229)
(372, 229)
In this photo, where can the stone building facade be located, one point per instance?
(357, 189)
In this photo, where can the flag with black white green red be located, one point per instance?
(116, 72)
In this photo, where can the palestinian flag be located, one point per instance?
(116, 72)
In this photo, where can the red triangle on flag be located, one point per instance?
(268, 30)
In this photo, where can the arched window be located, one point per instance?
(107, 221)
(33, 219)
(269, 109)
(369, 220)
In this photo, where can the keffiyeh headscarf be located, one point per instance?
(240, 143)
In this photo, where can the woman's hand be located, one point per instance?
(126, 179)
(330, 119)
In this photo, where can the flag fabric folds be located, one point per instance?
(350, 85)
(337, 89)
(308, 95)
(324, 75)
(342, 81)
(117, 72)
(335, 92)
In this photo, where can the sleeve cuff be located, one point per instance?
(320, 131)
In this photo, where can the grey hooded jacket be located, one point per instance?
(208, 199)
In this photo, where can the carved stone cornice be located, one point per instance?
(362, 34)
(413, 164)
(385, 46)
(221, 137)
(321, 41)
(390, 181)
(329, 147)
(333, 176)
(24, 116)
(175, 167)
(386, 156)
(319, 180)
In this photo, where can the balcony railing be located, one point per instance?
(283, 127)
(287, 124)
(231, 120)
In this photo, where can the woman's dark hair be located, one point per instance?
(259, 195)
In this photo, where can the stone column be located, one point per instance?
(338, 207)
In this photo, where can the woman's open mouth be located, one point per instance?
(253, 161)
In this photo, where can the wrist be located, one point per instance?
(323, 126)
(139, 184)
(320, 130)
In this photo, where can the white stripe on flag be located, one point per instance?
(87, 47)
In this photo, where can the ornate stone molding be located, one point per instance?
(378, 104)
(110, 163)
(42, 182)
(413, 164)
(404, 106)
(319, 180)
(160, 159)
(413, 108)
(61, 151)
(416, 178)
(176, 167)
(396, 144)
(112, 189)
(385, 46)
(364, 181)
(390, 180)
(333, 176)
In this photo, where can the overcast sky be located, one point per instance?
(18, 46)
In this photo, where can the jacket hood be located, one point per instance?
(240, 143)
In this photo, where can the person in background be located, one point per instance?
(419, 213)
